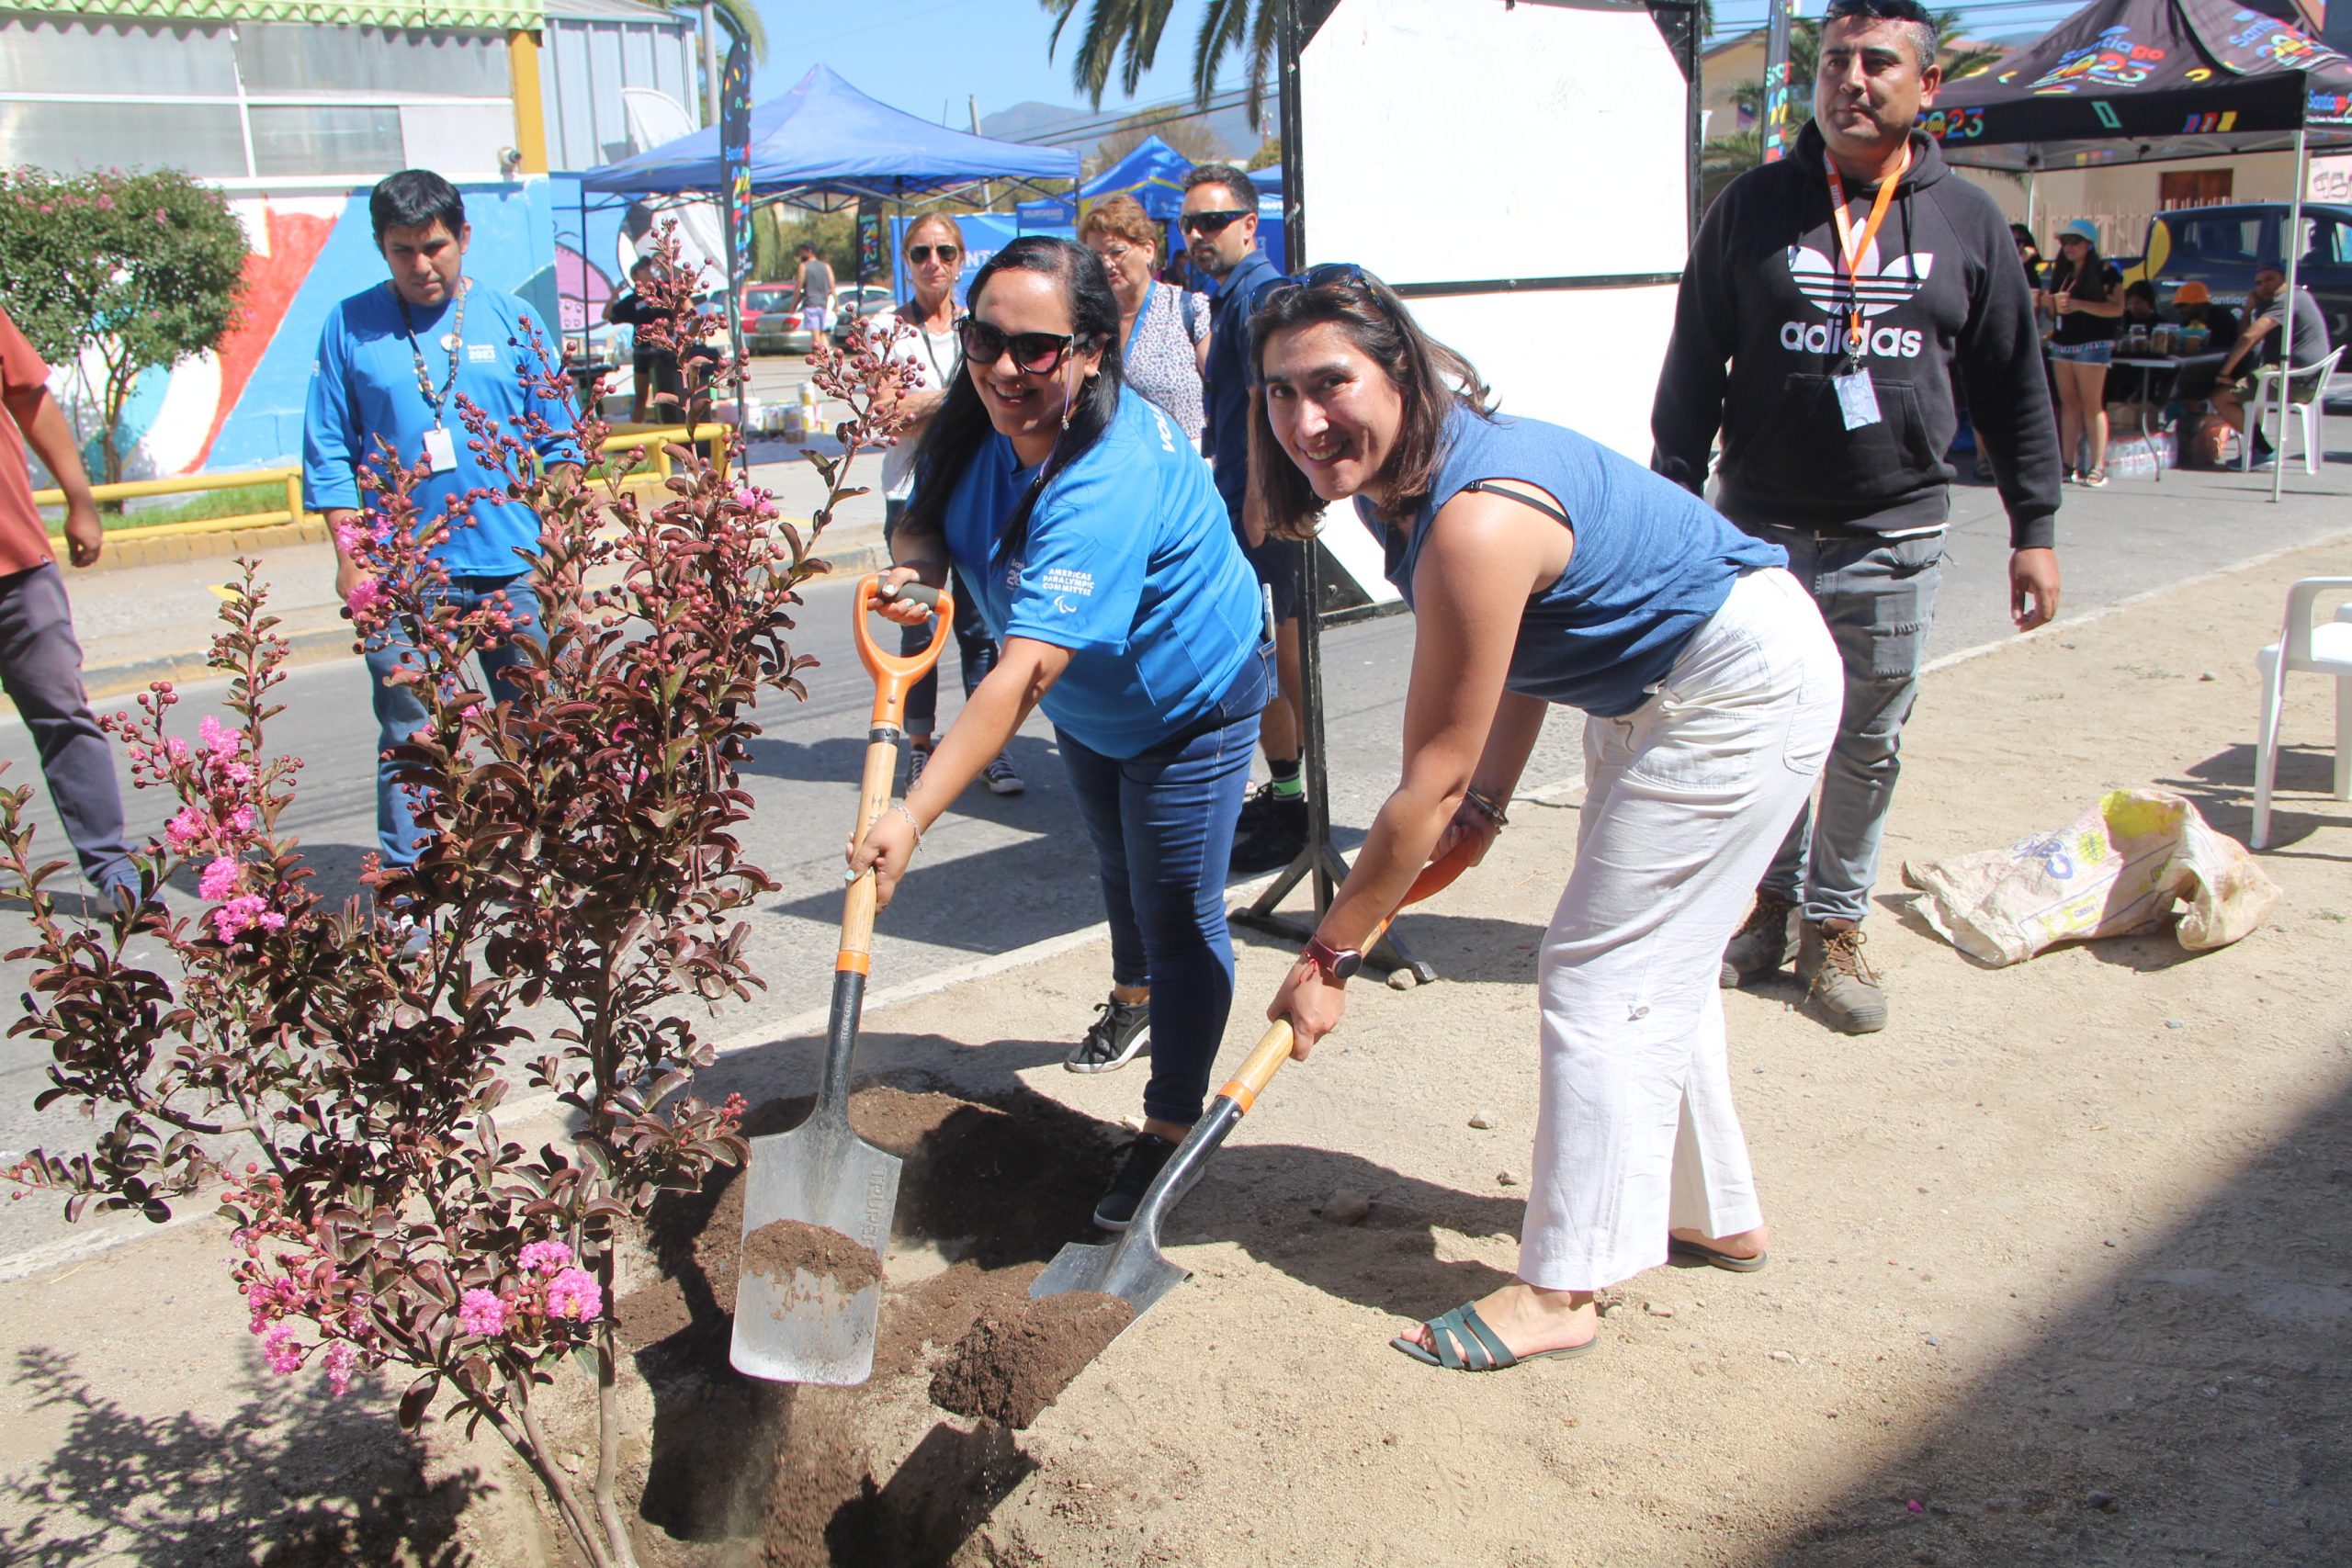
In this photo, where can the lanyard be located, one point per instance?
(455, 339)
(1852, 248)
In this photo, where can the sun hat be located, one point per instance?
(2080, 228)
(2192, 293)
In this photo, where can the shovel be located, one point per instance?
(807, 1328)
(1132, 1267)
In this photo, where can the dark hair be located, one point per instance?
(1224, 174)
(2143, 290)
(807, 249)
(1432, 378)
(1917, 23)
(2089, 281)
(962, 423)
(415, 199)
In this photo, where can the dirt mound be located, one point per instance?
(1010, 1369)
(990, 1191)
(785, 1248)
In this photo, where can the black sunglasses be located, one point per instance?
(1209, 224)
(921, 253)
(1344, 273)
(1039, 354)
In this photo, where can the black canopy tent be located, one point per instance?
(2152, 81)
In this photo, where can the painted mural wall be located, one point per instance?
(241, 408)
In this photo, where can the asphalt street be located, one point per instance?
(999, 874)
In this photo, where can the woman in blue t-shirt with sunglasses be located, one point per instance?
(1092, 535)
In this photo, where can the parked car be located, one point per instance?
(2220, 246)
(856, 301)
(772, 319)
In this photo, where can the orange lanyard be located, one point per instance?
(1853, 247)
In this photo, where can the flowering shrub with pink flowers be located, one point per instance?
(335, 1073)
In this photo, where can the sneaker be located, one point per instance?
(1000, 778)
(916, 757)
(1763, 943)
(1270, 836)
(1112, 1039)
(1145, 1157)
(1839, 982)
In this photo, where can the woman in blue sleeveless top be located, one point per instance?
(1542, 569)
(1090, 531)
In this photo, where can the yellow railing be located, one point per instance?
(658, 437)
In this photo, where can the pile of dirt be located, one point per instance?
(793, 1472)
(783, 1249)
(1010, 1369)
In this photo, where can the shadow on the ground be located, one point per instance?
(286, 1481)
(2187, 1406)
(2222, 788)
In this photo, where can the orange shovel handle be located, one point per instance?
(896, 673)
(1274, 1046)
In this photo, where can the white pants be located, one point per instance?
(1686, 797)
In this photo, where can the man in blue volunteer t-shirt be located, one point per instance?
(393, 361)
(1220, 228)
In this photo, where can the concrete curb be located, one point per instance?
(125, 551)
(862, 552)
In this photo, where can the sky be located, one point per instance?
(926, 56)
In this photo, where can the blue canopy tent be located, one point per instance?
(825, 144)
(1153, 174)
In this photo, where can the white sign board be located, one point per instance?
(2331, 180)
(1465, 144)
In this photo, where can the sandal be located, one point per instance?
(2095, 480)
(1465, 1343)
(1693, 1253)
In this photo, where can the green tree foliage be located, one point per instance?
(833, 233)
(139, 269)
(1123, 36)
(1269, 154)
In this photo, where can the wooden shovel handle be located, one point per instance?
(894, 675)
(1265, 1059)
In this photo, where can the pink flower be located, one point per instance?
(243, 820)
(245, 909)
(177, 747)
(239, 773)
(758, 502)
(340, 1359)
(218, 739)
(281, 1350)
(221, 878)
(574, 1295)
(189, 829)
(271, 921)
(365, 594)
(545, 1257)
(482, 1313)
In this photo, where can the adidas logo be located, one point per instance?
(1881, 285)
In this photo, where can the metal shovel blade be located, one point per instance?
(1130, 1268)
(805, 1329)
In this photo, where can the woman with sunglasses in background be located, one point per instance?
(1543, 568)
(2086, 296)
(934, 248)
(1163, 329)
(1100, 554)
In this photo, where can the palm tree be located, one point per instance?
(1124, 35)
(1804, 65)
(744, 15)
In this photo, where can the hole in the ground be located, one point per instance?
(990, 1192)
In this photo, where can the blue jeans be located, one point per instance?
(1162, 825)
(400, 714)
(1878, 599)
(41, 666)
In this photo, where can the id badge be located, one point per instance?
(1856, 398)
(441, 449)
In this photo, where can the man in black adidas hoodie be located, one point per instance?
(1831, 379)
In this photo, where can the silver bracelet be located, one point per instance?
(1485, 806)
(900, 807)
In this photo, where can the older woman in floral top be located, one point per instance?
(1165, 331)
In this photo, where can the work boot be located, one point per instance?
(1838, 981)
(1271, 832)
(1762, 944)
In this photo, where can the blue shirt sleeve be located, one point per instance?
(329, 481)
(1082, 572)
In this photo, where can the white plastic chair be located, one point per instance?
(2323, 649)
(2269, 380)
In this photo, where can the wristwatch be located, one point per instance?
(1338, 964)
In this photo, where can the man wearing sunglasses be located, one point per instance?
(1220, 228)
(1831, 300)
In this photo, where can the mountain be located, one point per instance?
(1236, 138)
